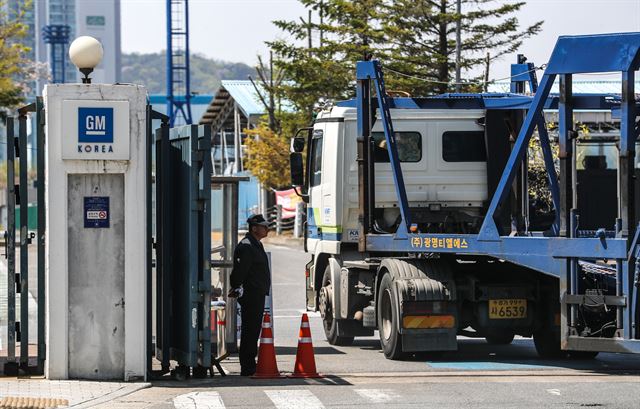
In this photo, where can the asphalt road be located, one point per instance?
(478, 375)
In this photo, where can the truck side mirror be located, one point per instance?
(297, 144)
(297, 169)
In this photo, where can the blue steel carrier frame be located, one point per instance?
(557, 255)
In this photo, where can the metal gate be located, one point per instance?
(19, 284)
(183, 237)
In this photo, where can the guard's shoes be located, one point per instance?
(247, 373)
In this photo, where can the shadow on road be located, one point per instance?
(316, 350)
(478, 355)
(233, 381)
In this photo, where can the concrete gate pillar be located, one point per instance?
(96, 231)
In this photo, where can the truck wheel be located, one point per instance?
(500, 338)
(547, 342)
(390, 338)
(325, 305)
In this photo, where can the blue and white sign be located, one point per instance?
(95, 130)
(95, 125)
(96, 212)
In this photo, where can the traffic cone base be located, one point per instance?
(267, 367)
(305, 366)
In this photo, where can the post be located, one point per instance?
(487, 63)
(278, 219)
(297, 228)
(24, 242)
(40, 157)
(11, 250)
(237, 140)
(458, 43)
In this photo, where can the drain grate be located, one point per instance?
(12, 402)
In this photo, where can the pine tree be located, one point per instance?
(422, 40)
(320, 55)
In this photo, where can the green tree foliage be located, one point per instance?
(422, 39)
(150, 70)
(319, 56)
(12, 56)
(414, 38)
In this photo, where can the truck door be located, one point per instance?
(314, 217)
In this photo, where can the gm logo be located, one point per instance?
(95, 125)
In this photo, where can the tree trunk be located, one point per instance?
(443, 64)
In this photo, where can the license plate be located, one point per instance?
(507, 309)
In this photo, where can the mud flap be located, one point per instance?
(440, 339)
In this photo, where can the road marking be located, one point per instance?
(199, 400)
(293, 399)
(378, 395)
(487, 366)
(554, 391)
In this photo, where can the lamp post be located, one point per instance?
(86, 53)
(458, 43)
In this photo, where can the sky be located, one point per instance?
(235, 30)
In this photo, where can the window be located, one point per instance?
(316, 158)
(95, 20)
(409, 145)
(463, 146)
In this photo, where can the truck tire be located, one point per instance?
(329, 323)
(547, 343)
(390, 338)
(500, 338)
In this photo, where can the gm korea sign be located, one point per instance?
(95, 130)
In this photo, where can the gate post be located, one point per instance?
(11, 367)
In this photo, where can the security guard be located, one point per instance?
(251, 281)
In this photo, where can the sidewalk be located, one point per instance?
(79, 394)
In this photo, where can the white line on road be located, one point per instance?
(554, 392)
(293, 399)
(377, 395)
(199, 400)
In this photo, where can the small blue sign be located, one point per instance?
(96, 212)
(95, 125)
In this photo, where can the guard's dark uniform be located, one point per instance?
(251, 270)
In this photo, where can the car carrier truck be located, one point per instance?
(419, 223)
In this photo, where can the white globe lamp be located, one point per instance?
(86, 53)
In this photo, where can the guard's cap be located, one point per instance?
(257, 219)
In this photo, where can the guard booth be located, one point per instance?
(96, 233)
(95, 237)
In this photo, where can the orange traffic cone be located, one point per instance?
(305, 361)
(267, 365)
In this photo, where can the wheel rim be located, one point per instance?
(325, 305)
(386, 315)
